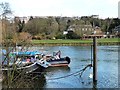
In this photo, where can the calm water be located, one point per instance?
(107, 72)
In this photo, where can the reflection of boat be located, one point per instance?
(23, 61)
(53, 70)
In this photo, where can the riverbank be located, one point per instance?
(76, 42)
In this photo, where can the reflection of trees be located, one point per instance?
(22, 80)
(39, 81)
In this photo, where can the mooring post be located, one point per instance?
(94, 60)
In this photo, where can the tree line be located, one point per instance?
(53, 27)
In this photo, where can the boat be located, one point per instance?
(56, 59)
(27, 69)
(59, 62)
(24, 61)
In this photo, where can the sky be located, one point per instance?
(70, 8)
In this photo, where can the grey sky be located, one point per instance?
(103, 8)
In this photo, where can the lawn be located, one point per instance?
(67, 41)
(109, 40)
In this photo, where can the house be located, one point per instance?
(25, 19)
(86, 31)
(116, 31)
(97, 32)
(81, 29)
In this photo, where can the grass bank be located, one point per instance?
(104, 41)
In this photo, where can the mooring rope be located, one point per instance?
(77, 72)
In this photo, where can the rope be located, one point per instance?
(64, 76)
(82, 70)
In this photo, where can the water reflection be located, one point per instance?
(54, 75)
(56, 69)
(107, 57)
(32, 80)
(107, 75)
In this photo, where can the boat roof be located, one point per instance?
(31, 53)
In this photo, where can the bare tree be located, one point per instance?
(9, 40)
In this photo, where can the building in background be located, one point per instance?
(119, 9)
(116, 31)
(25, 19)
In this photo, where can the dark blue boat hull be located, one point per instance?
(60, 62)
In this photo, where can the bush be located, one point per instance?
(60, 36)
(72, 35)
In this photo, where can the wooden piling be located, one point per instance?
(94, 60)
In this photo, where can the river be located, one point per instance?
(107, 67)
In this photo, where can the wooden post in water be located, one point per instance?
(94, 60)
